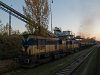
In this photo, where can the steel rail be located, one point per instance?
(70, 69)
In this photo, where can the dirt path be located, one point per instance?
(7, 65)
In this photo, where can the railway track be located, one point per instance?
(71, 68)
(63, 72)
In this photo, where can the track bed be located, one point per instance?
(51, 67)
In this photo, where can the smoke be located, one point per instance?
(89, 14)
(87, 25)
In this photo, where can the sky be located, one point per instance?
(79, 16)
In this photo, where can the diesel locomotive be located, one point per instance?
(38, 49)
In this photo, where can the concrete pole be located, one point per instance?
(9, 23)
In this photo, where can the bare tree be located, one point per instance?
(1, 27)
(37, 11)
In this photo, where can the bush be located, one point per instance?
(10, 46)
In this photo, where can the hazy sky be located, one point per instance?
(76, 15)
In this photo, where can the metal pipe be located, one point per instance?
(14, 12)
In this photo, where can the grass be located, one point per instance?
(49, 68)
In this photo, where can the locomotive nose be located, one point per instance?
(25, 42)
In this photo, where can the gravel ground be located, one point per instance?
(7, 65)
(92, 65)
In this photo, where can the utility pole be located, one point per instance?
(9, 23)
(51, 1)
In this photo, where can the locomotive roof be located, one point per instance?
(39, 37)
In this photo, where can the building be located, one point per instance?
(63, 34)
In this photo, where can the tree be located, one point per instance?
(1, 27)
(38, 12)
(4, 29)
